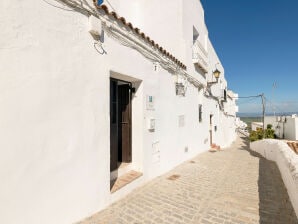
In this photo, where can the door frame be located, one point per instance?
(118, 125)
(210, 129)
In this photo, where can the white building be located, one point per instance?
(240, 124)
(256, 125)
(84, 90)
(285, 127)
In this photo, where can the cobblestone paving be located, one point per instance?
(231, 186)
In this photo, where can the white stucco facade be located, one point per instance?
(256, 125)
(287, 162)
(285, 127)
(55, 101)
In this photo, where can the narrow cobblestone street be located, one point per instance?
(231, 186)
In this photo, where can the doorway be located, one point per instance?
(120, 123)
(210, 129)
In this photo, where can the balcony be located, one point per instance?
(200, 56)
(218, 92)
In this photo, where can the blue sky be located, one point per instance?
(257, 43)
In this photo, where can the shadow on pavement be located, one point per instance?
(274, 202)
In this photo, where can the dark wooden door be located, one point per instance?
(113, 125)
(124, 129)
(210, 129)
(120, 123)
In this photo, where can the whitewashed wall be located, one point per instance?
(287, 162)
(285, 127)
(255, 125)
(165, 27)
(54, 116)
(291, 128)
(278, 126)
(54, 94)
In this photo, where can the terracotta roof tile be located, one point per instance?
(114, 14)
(130, 25)
(137, 30)
(122, 19)
(103, 7)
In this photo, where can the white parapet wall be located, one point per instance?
(287, 162)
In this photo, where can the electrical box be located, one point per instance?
(151, 124)
(150, 100)
(95, 27)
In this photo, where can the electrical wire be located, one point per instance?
(247, 101)
(281, 111)
(98, 45)
(240, 97)
(59, 7)
(126, 38)
(110, 5)
(153, 57)
(76, 6)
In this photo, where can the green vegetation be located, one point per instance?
(260, 134)
(269, 132)
(256, 135)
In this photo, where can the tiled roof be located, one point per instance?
(140, 34)
(293, 146)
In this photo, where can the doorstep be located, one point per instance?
(123, 180)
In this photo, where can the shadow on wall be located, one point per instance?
(274, 203)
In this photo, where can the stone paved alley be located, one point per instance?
(231, 186)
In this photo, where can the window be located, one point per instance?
(180, 89)
(195, 35)
(200, 113)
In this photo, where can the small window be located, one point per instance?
(200, 113)
(180, 89)
(195, 35)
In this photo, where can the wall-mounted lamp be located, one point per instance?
(216, 74)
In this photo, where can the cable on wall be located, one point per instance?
(128, 39)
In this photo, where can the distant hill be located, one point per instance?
(267, 114)
(249, 120)
(249, 115)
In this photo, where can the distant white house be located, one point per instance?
(286, 127)
(256, 125)
(240, 124)
(91, 92)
